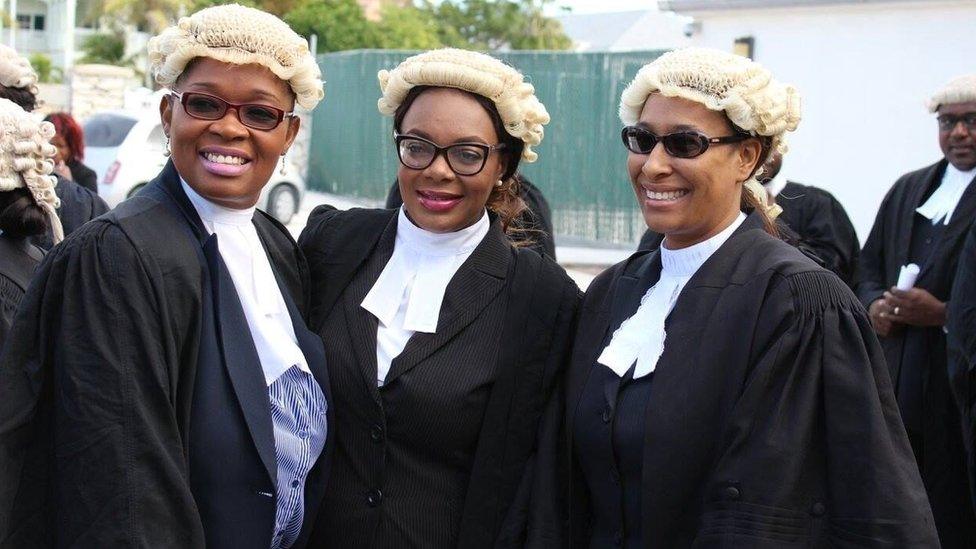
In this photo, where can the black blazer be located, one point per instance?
(961, 326)
(83, 175)
(437, 456)
(161, 433)
(771, 421)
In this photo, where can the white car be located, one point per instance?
(126, 151)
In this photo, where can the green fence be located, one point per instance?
(581, 167)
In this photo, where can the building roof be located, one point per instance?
(721, 5)
(624, 31)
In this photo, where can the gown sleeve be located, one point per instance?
(870, 282)
(961, 343)
(816, 430)
(91, 453)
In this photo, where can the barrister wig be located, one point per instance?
(522, 114)
(16, 71)
(27, 159)
(744, 90)
(961, 89)
(240, 36)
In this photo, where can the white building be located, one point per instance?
(624, 31)
(41, 26)
(865, 69)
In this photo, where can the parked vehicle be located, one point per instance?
(126, 150)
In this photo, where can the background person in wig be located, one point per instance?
(161, 388)
(78, 205)
(924, 220)
(724, 390)
(444, 340)
(27, 203)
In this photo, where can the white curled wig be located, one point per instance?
(739, 87)
(16, 71)
(522, 114)
(961, 89)
(238, 35)
(27, 160)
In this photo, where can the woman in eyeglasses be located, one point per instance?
(444, 341)
(725, 391)
(161, 388)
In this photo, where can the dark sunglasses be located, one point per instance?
(210, 107)
(679, 145)
(418, 153)
(948, 122)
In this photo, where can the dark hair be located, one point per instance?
(21, 96)
(504, 200)
(749, 202)
(20, 216)
(67, 128)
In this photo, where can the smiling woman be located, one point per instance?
(445, 339)
(723, 388)
(193, 406)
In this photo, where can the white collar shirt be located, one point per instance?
(941, 205)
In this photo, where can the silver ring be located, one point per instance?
(895, 312)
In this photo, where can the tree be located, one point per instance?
(105, 49)
(407, 28)
(339, 24)
(496, 24)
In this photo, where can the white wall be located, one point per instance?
(865, 74)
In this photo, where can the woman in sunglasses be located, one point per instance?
(724, 391)
(443, 340)
(161, 388)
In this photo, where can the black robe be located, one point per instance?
(18, 259)
(78, 206)
(771, 421)
(130, 333)
(438, 456)
(961, 327)
(820, 228)
(83, 175)
(535, 220)
(938, 441)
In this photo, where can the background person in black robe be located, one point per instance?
(820, 222)
(27, 204)
(78, 205)
(764, 418)
(817, 222)
(911, 323)
(534, 223)
(136, 406)
(961, 337)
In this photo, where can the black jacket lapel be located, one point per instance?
(950, 242)
(241, 359)
(361, 323)
(472, 288)
(932, 177)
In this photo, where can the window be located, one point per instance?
(39, 22)
(23, 21)
(745, 46)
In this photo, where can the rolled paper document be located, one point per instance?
(907, 277)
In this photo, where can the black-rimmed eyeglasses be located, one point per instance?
(418, 153)
(210, 107)
(685, 144)
(947, 122)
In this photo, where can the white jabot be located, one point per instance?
(264, 306)
(641, 337)
(939, 207)
(407, 296)
(775, 186)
